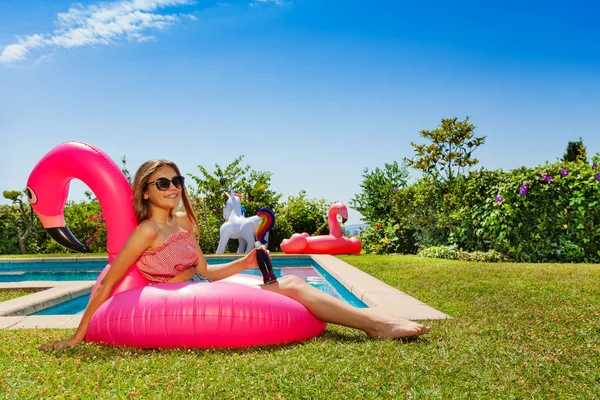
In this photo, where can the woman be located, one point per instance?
(166, 250)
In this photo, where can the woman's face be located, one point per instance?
(169, 198)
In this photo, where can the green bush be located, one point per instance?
(303, 214)
(547, 213)
(9, 217)
(386, 239)
(445, 252)
(453, 253)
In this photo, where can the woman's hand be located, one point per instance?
(59, 345)
(251, 260)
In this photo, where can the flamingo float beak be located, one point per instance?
(56, 226)
(343, 212)
(64, 237)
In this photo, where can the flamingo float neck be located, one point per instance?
(332, 217)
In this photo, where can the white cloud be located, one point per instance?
(259, 2)
(43, 59)
(102, 23)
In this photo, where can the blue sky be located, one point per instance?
(312, 91)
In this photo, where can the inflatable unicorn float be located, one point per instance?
(237, 226)
(334, 243)
(232, 312)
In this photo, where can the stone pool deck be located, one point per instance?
(371, 291)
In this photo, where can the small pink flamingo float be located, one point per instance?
(334, 243)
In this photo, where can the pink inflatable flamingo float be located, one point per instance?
(334, 243)
(223, 314)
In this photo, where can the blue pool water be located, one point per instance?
(306, 268)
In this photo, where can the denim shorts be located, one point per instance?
(198, 278)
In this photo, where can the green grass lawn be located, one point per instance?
(518, 331)
(8, 294)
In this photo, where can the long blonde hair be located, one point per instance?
(141, 206)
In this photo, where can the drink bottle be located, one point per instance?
(264, 265)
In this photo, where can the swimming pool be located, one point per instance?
(304, 267)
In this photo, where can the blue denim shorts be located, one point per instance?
(198, 278)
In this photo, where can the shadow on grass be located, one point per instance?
(98, 351)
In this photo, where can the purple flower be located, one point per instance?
(523, 190)
(564, 172)
(499, 198)
(550, 178)
(598, 176)
(594, 166)
(394, 189)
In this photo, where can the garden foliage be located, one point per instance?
(386, 211)
(549, 213)
(542, 214)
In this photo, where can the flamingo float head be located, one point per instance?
(55, 224)
(48, 189)
(341, 210)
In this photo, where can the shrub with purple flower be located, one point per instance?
(523, 190)
(547, 178)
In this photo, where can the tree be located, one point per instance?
(9, 216)
(208, 199)
(375, 201)
(25, 223)
(450, 151)
(576, 152)
(125, 170)
(304, 215)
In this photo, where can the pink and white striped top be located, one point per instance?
(175, 255)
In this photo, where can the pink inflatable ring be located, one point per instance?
(230, 313)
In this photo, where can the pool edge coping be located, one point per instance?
(376, 294)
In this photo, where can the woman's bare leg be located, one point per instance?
(329, 309)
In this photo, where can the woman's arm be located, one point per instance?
(141, 239)
(218, 271)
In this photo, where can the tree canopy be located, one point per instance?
(450, 152)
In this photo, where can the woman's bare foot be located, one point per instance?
(398, 328)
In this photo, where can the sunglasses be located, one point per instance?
(164, 183)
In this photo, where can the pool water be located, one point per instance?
(50, 271)
(305, 268)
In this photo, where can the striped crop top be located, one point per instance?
(175, 255)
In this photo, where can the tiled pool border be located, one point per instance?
(369, 290)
